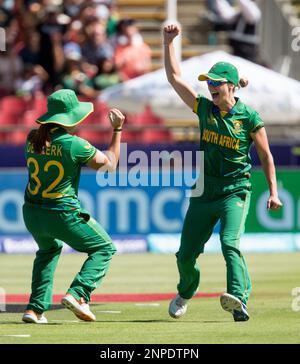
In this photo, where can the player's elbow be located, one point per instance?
(266, 157)
(173, 79)
(111, 167)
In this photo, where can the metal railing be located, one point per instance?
(171, 10)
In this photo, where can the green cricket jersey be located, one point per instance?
(54, 174)
(225, 139)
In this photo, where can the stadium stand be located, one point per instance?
(296, 4)
(19, 110)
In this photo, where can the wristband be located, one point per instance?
(117, 130)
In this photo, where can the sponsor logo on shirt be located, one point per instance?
(212, 120)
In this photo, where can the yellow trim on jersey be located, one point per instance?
(53, 130)
(195, 108)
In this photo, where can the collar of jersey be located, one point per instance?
(236, 108)
(56, 130)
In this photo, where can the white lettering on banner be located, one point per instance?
(106, 179)
(16, 198)
(296, 300)
(123, 165)
(199, 187)
(287, 220)
(2, 299)
(166, 159)
(296, 42)
(185, 206)
(147, 208)
(87, 201)
(122, 200)
(136, 176)
(164, 169)
(159, 218)
(2, 40)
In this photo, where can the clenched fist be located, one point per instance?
(170, 32)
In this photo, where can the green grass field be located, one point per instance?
(272, 318)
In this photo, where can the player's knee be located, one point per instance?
(53, 251)
(113, 249)
(109, 248)
(185, 258)
(229, 248)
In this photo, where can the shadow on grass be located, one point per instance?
(17, 308)
(169, 321)
(120, 321)
(23, 323)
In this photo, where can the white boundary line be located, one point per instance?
(20, 335)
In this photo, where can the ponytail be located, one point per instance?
(244, 82)
(40, 137)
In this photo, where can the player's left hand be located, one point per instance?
(274, 203)
(116, 118)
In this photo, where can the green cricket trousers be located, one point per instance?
(50, 228)
(226, 200)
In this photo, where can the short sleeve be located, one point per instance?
(201, 103)
(196, 104)
(81, 150)
(256, 122)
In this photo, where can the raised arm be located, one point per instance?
(186, 93)
(262, 146)
(108, 160)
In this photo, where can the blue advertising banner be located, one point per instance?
(145, 211)
(125, 210)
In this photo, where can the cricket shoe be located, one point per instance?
(178, 307)
(30, 317)
(235, 306)
(79, 307)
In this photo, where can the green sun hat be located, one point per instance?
(222, 71)
(65, 109)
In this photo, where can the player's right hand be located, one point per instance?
(274, 203)
(170, 32)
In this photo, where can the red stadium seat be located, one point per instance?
(155, 136)
(94, 137)
(39, 105)
(100, 115)
(147, 122)
(8, 119)
(17, 137)
(131, 136)
(13, 105)
(29, 118)
(3, 137)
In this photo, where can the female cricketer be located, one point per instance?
(52, 212)
(227, 127)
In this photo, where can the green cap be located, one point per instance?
(65, 109)
(222, 71)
